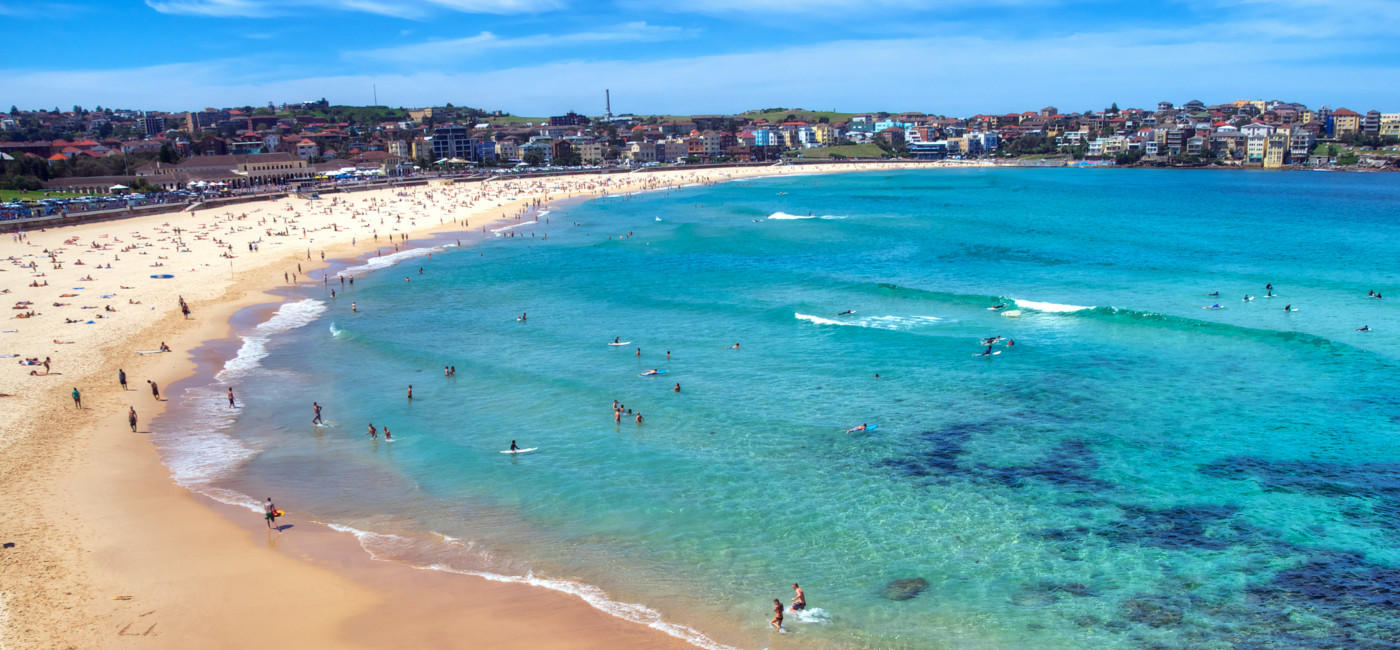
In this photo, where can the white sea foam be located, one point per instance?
(202, 450)
(381, 546)
(336, 331)
(786, 216)
(873, 322)
(1049, 307)
(385, 261)
(811, 615)
(513, 226)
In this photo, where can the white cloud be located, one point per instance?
(816, 9)
(410, 9)
(454, 49)
(957, 76)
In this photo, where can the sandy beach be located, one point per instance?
(101, 546)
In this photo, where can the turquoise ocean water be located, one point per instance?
(1136, 470)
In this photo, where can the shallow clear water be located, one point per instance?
(1134, 470)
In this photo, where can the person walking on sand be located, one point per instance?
(131, 418)
(270, 513)
(230, 397)
(316, 407)
(799, 600)
(777, 621)
(77, 398)
(121, 378)
(155, 390)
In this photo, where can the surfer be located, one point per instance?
(513, 447)
(1269, 287)
(987, 352)
(164, 347)
(617, 339)
(522, 317)
(1364, 328)
(799, 601)
(1000, 306)
(734, 347)
(316, 407)
(777, 621)
(131, 418)
(1288, 307)
(1248, 297)
(1213, 294)
(862, 427)
(651, 372)
(270, 513)
(847, 312)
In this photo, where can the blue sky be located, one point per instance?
(539, 57)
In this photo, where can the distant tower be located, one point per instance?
(607, 104)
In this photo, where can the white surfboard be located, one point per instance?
(520, 451)
(984, 354)
(621, 343)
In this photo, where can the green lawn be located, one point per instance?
(847, 150)
(17, 195)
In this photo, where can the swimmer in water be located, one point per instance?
(677, 389)
(734, 347)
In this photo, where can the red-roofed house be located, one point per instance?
(1345, 123)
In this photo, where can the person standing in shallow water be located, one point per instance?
(777, 621)
(410, 392)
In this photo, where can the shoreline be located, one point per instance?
(97, 514)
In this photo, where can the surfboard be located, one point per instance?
(620, 343)
(868, 428)
(520, 451)
(149, 351)
(1011, 313)
(984, 354)
(162, 275)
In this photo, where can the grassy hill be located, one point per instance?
(802, 114)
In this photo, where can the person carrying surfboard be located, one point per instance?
(270, 513)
